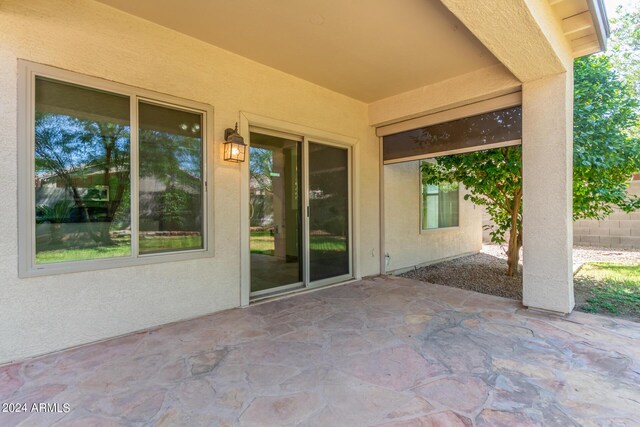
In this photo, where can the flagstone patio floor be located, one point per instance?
(383, 351)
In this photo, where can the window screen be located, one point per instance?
(462, 134)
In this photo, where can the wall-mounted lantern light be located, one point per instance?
(234, 146)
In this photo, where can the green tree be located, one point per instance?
(493, 179)
(175, 161)
(624, 44)
(261, 200)
(606, 154)
(606, 147)
(73, 149)
(174, 208)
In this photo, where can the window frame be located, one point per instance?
(27, 267)
(420, 217)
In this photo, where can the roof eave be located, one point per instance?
(600, 21)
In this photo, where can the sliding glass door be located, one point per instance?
(329, 230)
(300, 221)
(275, 232)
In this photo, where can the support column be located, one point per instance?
(547, 168)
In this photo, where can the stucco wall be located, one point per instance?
(406, 245)
(39, 315)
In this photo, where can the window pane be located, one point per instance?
(440, 204)
(275, 193)
(447, 205)
(432, 211)
(82, 186)
(328, 211)
(171, 185)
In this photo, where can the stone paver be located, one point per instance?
(386, 351)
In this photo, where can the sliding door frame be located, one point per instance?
(250, 120)
(277, 290)
(350, 238)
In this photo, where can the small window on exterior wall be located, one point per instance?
(439, 206)
(110, 174)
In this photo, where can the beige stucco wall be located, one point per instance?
(43, 314)
(461, 90)
(405, 243)
(547, 183)
(39, 315)
(527, 38)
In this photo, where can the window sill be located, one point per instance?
(38, 270)
(443, 230)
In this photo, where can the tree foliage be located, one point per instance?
(175, 161)
(76, 154)
(606, 154)
(72, 149)
(493, 179)
(606, 146)
(260, 172)
(624, 44)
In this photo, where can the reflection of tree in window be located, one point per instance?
(170, 183)
(261, 197)
(80, 146)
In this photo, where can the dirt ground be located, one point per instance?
(485, 272)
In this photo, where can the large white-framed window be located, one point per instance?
(439, 203)
(109, 175)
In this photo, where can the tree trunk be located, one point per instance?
(513, 255)
(515, 239)
(108, 143)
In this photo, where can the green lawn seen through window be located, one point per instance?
(120, 248)
(262, 242)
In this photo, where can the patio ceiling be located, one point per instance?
(366, 49)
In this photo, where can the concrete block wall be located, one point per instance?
(619, 230)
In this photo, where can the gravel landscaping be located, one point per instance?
(485, 272)
(592, 254)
